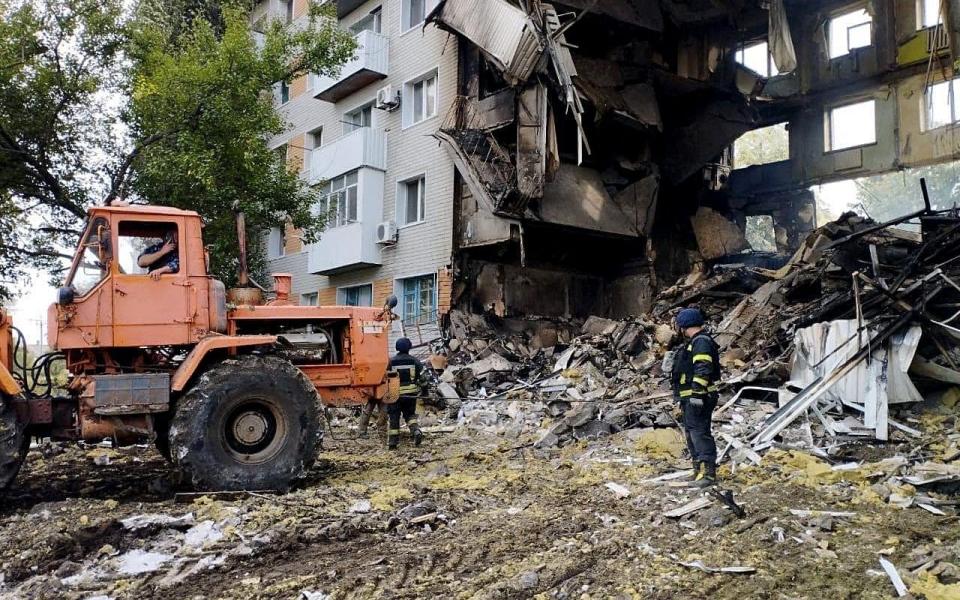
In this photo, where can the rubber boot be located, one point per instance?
(393, 439)
(708, 477)
(697, 470)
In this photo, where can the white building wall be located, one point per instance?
(423, 247)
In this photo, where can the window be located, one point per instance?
(418, 299)
(758, 59)
(410, 201)
(339, 201)
(361, 117)
(289, 13)
(312, 299)
(851, 125)
(850, 31)
(760, 233)
(762, 146)
(372, 22)
(281, 152)
(92, 262)
(928, 13)
(146, 247)
(414, 12)
(315, 138)
(276, 242)
(281, 92)
(941, 104)
(358, 295)
(420, 99)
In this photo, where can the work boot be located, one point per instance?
(415, 432)
(363, 424)
(707, 477)
(393, 440)
(697, 470)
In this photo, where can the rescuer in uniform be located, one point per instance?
(410, 370)
(695, 375)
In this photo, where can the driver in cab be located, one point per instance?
(162, 257)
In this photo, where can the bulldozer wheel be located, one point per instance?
(248, 424)
(14, 444)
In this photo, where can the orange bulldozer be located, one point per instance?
(230, 387)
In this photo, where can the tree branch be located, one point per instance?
(42, 173)
(34, 253)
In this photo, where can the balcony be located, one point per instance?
(354, 245)
(364, 147)
(369, 65)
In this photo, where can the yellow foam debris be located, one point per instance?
(930, 587)
(388, 496)
(666, 443)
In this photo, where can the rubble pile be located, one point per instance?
(850, 327)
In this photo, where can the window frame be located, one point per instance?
(275, 252)
(341, 291)
(402, 295)
(115, 237)
(375, 16)
(829, 146)
(953, 97)
(401, 200)
(922, 15)
(406, 23)
(336, 218)
(408, 105)
(314, 295)
(740, 58)
(359, 109)
(839, 14)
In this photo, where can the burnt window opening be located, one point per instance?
(761, 233)
(850, 126)
(762, 146)
(491, 80)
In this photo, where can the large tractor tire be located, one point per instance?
(14, 443)
(248, 424)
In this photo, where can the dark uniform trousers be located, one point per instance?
(695, 375)
(409, 368)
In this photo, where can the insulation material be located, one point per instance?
(872, 385)
(781, 41)
(716, 235)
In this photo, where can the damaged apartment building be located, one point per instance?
(580, 153)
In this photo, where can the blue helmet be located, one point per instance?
(404, 345)
(690, 317)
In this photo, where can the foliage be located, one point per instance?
(164, 103)
(202, 95)
(886, 197)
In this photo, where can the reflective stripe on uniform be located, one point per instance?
(686, 393)
(683, 378)
(702, 358)
(412, 422)
(702, 381)
(713, 388)
(393, 432)
(409, 389)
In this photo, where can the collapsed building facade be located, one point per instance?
(592, 140)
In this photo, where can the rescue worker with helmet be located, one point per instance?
(410, 370)
(695, 375)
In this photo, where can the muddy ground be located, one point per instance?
(467, 515)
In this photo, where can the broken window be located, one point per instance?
(928, 13)
(419, 299)
(851, 125)
(758, 59)
(358, 295)
(762, 146)
(849, 31)
(761, 234)
(941, 106)
(411, 201)
(420, 99)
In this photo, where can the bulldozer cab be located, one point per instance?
(138, 278)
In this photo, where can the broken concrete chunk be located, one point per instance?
(716, 235)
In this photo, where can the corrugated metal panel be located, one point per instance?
(501, 30)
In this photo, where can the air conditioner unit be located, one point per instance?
(387, 233)
(388, 100)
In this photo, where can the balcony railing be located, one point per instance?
(370, 64)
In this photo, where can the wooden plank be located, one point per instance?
(820, 513)
(753, 456)
(688, 508)
(894, 576)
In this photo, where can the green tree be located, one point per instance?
(892, 195)
(164, 103)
